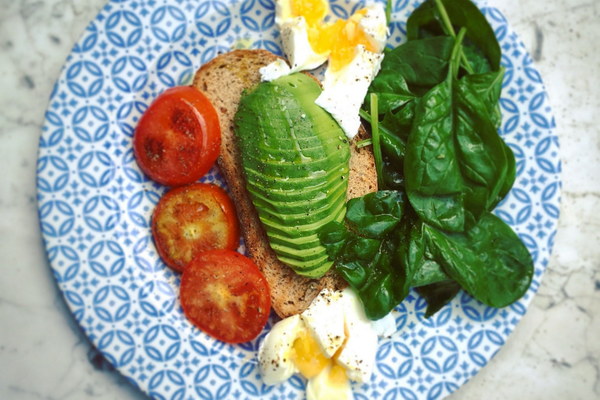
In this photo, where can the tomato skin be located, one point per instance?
(224, 294)
(178, 138)
(191, 219)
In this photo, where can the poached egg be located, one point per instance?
(331, 343)
(352, 47)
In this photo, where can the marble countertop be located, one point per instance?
(554, 352)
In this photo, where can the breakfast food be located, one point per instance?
(295, 159)
(223, 80)
(224, 294)
(191, 219)
(178, 138)
(353, 48)
(331, 343)
(146, 272)
(286, 157)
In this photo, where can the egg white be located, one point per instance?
(344, 90)
(294, 39)
(274, 358)
(321, 388)
(358, 354)
(325, 321)
(337, 322)
(297, 48)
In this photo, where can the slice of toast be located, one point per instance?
(223, 79)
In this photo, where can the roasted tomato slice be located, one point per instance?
(178, 138)
(224, 294)
(191, 219)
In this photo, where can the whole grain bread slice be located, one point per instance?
(223, 80)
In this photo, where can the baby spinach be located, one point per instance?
(409, 70)
(375, 215)
(488, 86)
(443, 17)
(381, 250)
(374, 252)
(489, 261)
(438, 294)
(455, 162)
(443, 170)
(392, 91)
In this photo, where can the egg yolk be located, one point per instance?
(313, 11)
(340, 37)
(307, 355)
(337, 375)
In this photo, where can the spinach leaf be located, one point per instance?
(488, 86)
(511, 175)
(375, 214)
(421, 64)
(476, 60)
(455, 162)
(391, 89)
(400, 121)
(429, 272)
(489, 261)
(444, 16)
(482, 152)
(367, 265)
(437, 117)
(370, 265)
(438, 295)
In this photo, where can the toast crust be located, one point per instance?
(223, 80)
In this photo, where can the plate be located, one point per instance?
(95, 207)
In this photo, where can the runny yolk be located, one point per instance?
(307, 355)
(340, 37)
(337, 375)
(313, 11)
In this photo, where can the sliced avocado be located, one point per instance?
(290, 169)
(317, 191)
(308, 214)
(295, 159)
(301, 255)
(297, 230)
(317, 267)
(290, 183)
(300, 243)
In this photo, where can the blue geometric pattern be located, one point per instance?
(95, 206)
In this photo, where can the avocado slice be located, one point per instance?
(307, 214)
(289, 183)
(295, 160)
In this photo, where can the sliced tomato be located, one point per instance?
(191, 219)
(225, 295)
(178, 138)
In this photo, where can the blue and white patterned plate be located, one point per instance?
(95, 207)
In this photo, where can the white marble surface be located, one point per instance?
(553, 354)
